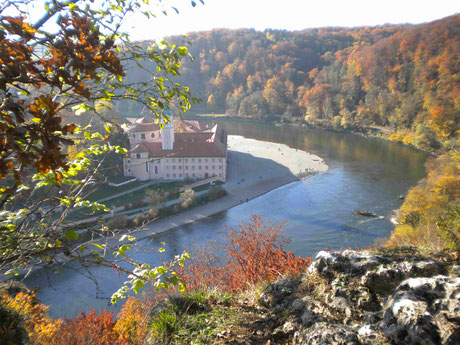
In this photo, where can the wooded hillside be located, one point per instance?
(403, 77)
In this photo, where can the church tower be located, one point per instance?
(167, 134)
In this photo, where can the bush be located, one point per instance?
(12, 327)
(118, 222)
(133, 320)
(216, 192)
(187, 198)
(139, 220)
(88, 329)
(254, 252)
(153, 212)
(40, 327)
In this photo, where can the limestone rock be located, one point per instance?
(323, 333)
(424, 311)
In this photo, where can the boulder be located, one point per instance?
(424, 311)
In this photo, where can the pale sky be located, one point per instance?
(288, 14)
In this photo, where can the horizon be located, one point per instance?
(291, 15)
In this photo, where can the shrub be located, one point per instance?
(40, 327)
(153, 197)
(139, 220)
(12, 327)
(133, 320)
(254, 252)
(216, 192)
(118, 222)
(88, 329)
(153, 212)
(187, 198)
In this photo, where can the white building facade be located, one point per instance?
(160, 153)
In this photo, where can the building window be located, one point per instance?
(193, 160)
(129, 161)
(186, 160)
(206, 167)
(180, 175)
(180, 160)
(167, 175)
(174, 167)
(193, 167)
(199, 160)
(129, 170)
(138, 155)
(134, 135)
(199, 167)
(147, 166)
(173, 160)
(174, 175)
(212, 160)
(152, 135)
(213, 167)
(206, 160)
(193, 175)
(220, 175)
(156, 170)
(220, 167)
(167, 167)
(142, 136)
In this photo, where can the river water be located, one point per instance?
(364, 173)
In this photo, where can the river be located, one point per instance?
(364, 173)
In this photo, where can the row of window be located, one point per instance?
(143, 135)
(186, 175)
(173, 160)
(199, 160)
(192, 167)
(173, 175)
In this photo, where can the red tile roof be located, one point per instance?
(181, 149)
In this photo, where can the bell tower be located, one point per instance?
(167, 134)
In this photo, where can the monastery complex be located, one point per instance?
(180, 150)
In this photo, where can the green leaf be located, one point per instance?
(71, 235)
(182, 51)
(108, 128)
(98, 246)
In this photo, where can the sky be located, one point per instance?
(274, 14)
(287, 14)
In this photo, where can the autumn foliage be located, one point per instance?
(254, 252)
(429, 219)
(40, 327)
(88, 329)
(401, 77)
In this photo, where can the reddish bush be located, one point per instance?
(254, 252)
(88, 329)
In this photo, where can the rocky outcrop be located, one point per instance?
(357, 297)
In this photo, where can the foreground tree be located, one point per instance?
(72, 59)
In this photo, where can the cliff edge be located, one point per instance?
(345, 297)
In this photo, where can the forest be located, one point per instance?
(402, 80)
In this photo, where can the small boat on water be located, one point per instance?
(365, 213)
(402, 197)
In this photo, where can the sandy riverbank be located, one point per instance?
(255, 168)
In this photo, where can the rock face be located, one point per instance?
(356, 297)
